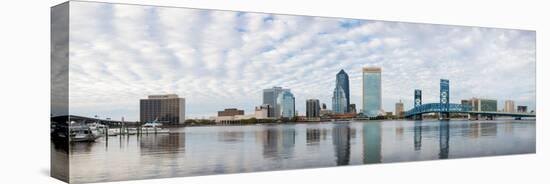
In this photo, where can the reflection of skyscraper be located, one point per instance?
(372, 145)
(286, 104)
(278, 143)
(270, 97)
(340, 98)
(444, 139)
(372, 91)
(313, 136)
(417, 135)
(340, 139)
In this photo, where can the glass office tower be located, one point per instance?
(340, 98)
(286, 104)
(372, 91)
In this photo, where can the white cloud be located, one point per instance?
(221, 59)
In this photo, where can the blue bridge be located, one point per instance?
(444, 108)
(460, 109)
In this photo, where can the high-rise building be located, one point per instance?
(168, 109)
(286, 104)
(479, 104)
(340, 97)
(324, 106)
(270, 97)
(352, 108)
(231, 112)
(509, 106)
(399, 110)
(522, 109)
(312, 108)
(372, 91)
(262, 111)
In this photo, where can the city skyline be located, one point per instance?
(225, 59)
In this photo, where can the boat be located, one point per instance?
(154, 128)
(113, 131)
(82, 133)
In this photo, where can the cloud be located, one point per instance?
(220, 59)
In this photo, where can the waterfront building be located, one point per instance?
(230, 112)
(352, 109)
(479, 104)
(522, 109)
(270, 97)
(340, 97)
(312, 108)
(262, 112)
(372, 91)
(286, 104)
(399, 109)
(168, 109)
(324, 107)
(509, 106)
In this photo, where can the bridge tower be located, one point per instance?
(417, 102)
(444, 99)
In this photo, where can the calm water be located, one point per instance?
(195, 151)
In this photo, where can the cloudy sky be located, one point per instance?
(221, 59)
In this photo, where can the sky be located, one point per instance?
(119, 54)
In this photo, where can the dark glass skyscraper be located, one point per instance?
(340, 98)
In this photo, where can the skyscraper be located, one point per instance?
(312, 108)
(286, 104)
(340, 97)
(399, 110)
(163, 108)
(270, 97)
(509, 106)
(372, 91)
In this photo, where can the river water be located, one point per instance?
(193, 151)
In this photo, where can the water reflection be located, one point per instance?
(417, 135)
(340, 139)
(444, 139)
(194, 151)
(278, 142)
(372, 143)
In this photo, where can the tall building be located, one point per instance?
(286, 104)
(522, 109)
(479, 104)
(372, 91)
(352, 108)
(509, 106)
(230, 112)
(340, 97)
(262, 111)
(168, 109)
(270, 97)
(312, 108)
(324, 106)
(399, 110)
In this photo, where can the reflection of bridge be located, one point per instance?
(444, 108)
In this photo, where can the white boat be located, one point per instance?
(81, 133)
(131, 131)
(153, 128)
(113, 131)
